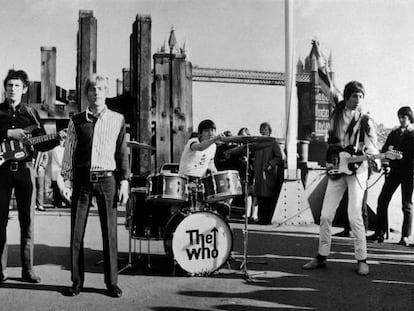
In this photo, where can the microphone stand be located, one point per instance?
(244, 263)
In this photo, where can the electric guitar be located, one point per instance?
(345, 163)
(17, 151)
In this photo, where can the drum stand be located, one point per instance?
(243, 266)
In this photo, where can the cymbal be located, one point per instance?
(243, 149)
(137, 145)
(248, 139)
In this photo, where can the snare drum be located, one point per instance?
(221, 186)
(167, 188)
(200, 243)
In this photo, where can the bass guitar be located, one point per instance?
(345, 163)
(17, 151)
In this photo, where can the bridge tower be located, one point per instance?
(314, 108)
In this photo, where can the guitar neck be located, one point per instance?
(41, 138)
(360, 158)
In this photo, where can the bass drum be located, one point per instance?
(200, 243)
(144, 219)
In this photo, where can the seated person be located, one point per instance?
(198, 155)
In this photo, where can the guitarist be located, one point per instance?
(401, 172)
(348, 127)
(15, 116)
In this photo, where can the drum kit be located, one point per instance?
(187, 214)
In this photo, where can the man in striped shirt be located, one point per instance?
(95, 162)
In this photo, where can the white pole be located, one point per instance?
(290, 88)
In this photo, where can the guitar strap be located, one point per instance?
(350, 130)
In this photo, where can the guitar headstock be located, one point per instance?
(393, 155)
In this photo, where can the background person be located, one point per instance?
(56, 158)
(251, 207)
(401, 173)
(42, 159)
(267, 184)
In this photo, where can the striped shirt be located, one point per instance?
(104, 142)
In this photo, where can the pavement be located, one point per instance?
(275, 256)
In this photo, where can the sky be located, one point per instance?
(370, 40)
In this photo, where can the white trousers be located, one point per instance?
(335, 190)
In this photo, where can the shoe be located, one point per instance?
(3, 278)
(114, 291)
(252, 220)
(343, 234)
(30, 277)
(363, 268)
(40, 208)
(404, 241)
(314, 264)
(375, 238)
(75, 289)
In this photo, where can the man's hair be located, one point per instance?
(206, 125)
(353, 87)
(17, 74)
(94, 79)
(406, 111)
(265, 124)
(243, 130)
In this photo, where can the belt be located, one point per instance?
(96, 175)
(14, 166)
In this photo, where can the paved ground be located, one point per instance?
(279, 284)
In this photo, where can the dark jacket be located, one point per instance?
(404, 142)
(26, 118)
(266, 181)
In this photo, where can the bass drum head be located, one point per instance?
(202, 243)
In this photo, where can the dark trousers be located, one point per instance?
(22, 181)
(57, 197)
(391, 184)
(104, 190)
(266, 207)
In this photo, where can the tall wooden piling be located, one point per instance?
(173, 113)
(48, 79)
(140, 83)
(182, 116)
(86, 54)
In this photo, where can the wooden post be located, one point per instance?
(86, 56)
(182, 114)
(162, 108)
(126, 80)
(48, 79)
(140, 63)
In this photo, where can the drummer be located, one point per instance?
(198, 156)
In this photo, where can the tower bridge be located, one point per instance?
(222, 75)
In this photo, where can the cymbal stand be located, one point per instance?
(244, 263)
